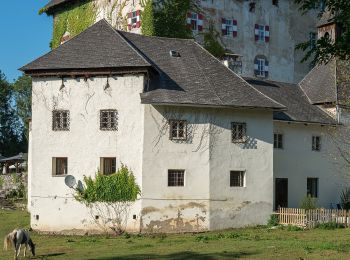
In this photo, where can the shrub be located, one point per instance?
(1, 182)
(273, 221)
(308, 202)
(329, 225)
(294, 228)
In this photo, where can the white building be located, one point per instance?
(260, 36)
(209, 149)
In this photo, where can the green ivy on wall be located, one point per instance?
(73, 20)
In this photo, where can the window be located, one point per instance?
(312, 187)
(278, 141)
(261, 67)
(238, 131)
(59, 166)
(316, 143)
(229, 27)
(176, 178)
(134, 20)
(237, 178)
(108, 120)
(312, 38)
(275, 2)
(107, 165)
(195, 21)
(60, 120)
(178, 129)
(261, 33)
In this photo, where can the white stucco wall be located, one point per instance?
(83, 144)
(296, 161)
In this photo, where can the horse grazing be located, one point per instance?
(17, 238)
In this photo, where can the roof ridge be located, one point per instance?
(124, 39)
(238, 76)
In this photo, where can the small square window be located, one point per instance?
(237, 178)
(178, 129)
(108, 165)
(238, 132)
(312, 187)
(108, 120)
(176, 178)
(278, 141)
(316, 143)
(59, 166)
(60, 120)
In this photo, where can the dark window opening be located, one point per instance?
(108, 120)
(312, 187)
(176, 178)
(237, 178)
(178, 129)
(60, 120)
(59, 166)
(316, 143)
(278, 141)
(238, 132)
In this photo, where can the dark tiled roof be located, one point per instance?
(297, 104)
(54, 3)
(326, 18)
(195, 78)
(100, 46)
(320, 84)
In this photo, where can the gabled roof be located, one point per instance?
(100, 46)
(194, 78)
(326, 18)
(293, 98)
(320, 83)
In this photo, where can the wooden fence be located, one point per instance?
(310, 218)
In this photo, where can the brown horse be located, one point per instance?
(17, 238)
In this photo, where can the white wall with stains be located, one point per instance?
(296, 161)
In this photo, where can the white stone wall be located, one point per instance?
(296, 161)
(83, 144)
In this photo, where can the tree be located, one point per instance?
(110, 197)
(12, 140)
(325, 48)
(23, 98)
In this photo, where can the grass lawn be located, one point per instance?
(249, 243)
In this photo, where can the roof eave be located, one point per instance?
(307, 122)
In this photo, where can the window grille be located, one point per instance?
(60, 120)
(316, 143)
(238, 132)
(237, 178)
(108, 120)
(178, 129)
(278, 141)
(176, 178)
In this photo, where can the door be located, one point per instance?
(281, 193)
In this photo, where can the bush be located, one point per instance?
(294, 228)
(329, 225)
(1, 182)
(273, 221)
(308, 202)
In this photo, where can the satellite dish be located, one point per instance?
(70, 181)
(80, 186)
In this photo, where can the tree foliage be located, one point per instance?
(325, 48)
(211, 42)
(12, 140)
(168, 19)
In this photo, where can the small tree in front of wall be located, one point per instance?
(308, 202)
(109, 198)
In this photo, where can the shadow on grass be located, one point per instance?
(49, 255)
(180, 255)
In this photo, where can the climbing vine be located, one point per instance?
(211, 41)
(73, 20)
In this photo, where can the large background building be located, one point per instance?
(259, 36)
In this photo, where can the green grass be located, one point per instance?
(248, 243)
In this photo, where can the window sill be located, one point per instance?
(59, 175)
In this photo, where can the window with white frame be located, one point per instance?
(108, 120)
(60, 120)
(316, 143)
(237, 178)
(59, 166)
(176, 178)
(277, 141)
(107, 165)
(194, 20)
(229, 27)
(238, 132)
(261, 67)
(178, 129)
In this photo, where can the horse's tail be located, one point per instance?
(7, 241)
